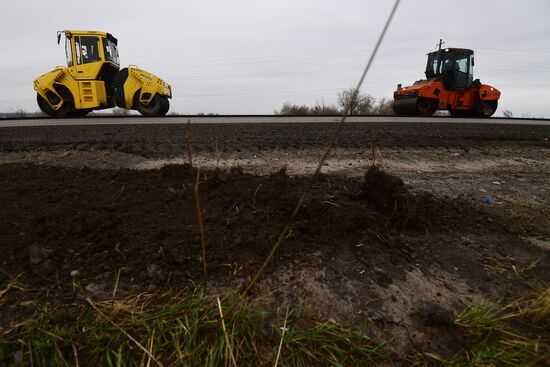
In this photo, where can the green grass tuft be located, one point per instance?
(515, 334)
(181, 329)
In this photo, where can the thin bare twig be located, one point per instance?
(49, 333)
(11, 285)
(225, 333)
(60, 354)
(138, 344)
(326, 153)
(116, 283)
(255, 193)
(217, 155)
(31, 360)
(196, 195)
(77, 364)
(284, 329)
(189, 149)
(151, 342)
(201, 223)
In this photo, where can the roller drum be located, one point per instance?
(406, 106)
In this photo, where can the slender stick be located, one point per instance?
(326, 153)
(284, 329)
(60, 354)
(217, 155)
(31, 360)
(77, 364)
(201, 223)
(189, 149)
(116, 283)
(151, 342)
(196, 195)
(225, 333)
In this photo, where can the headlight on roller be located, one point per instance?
(167, 90)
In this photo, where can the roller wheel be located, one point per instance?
(415, 106)
(405, 107)
(165, 106)
(44, 106)
(154, 108)
(63, 111)
(486, 108)
(426, 107)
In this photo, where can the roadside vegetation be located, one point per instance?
(194, 329)
(21, 113)
(71, 324)
(514, 334)
(187, 328)
(363, 104)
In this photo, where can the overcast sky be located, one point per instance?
(251, 56)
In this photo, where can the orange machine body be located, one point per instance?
(449, 85)
(449, 99)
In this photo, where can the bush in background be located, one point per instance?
(362, 104)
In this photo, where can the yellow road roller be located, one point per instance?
(93, 80)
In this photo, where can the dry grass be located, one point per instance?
(187, 328)
(514, 334)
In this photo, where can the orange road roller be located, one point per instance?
(449, 85)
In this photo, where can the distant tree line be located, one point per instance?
(21, 113)
(362, 104)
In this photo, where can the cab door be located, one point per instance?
(462, 71)
(87, 63)
(87, 58)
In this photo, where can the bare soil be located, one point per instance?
(458, 214)
(362, 248)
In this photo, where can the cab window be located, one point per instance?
(68, 52)
(435, 64)
(462, 61)
(77, 49)
(110, 51)
(87, 49)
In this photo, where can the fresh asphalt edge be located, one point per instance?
(97, 116)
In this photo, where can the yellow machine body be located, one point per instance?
(148, 83)
(93, 80)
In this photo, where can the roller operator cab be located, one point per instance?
(93, 80)
(449, 85)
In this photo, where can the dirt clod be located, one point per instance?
(386, 192)
(38, 254)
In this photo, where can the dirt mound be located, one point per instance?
(387, 194)
(390, 197)
(348, 254)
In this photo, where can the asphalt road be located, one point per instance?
(167, 136)
(138, 120)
